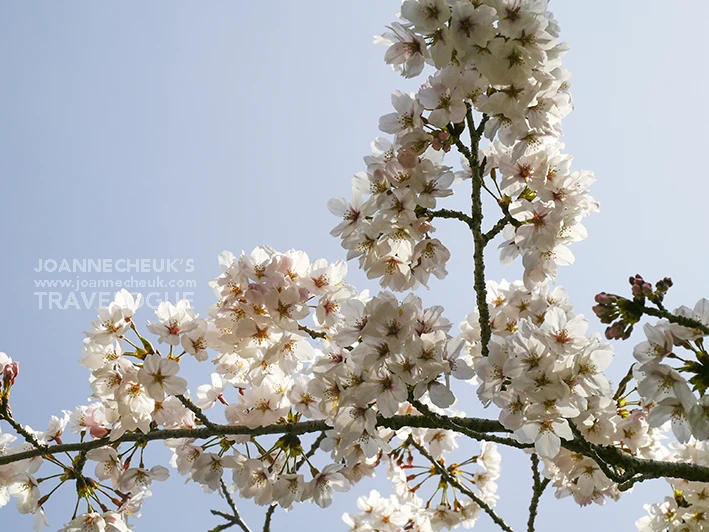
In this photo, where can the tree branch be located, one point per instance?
(461, 425)
(6, 414)
(590, 451)
(313, 449)
(196, 410)
(235, 518)
(479, 239)
(496, 229)
(302, 427)
(538, 488)
(672, 318)
(223, 526)
(269, 516)
(457, 215)
(478, 429)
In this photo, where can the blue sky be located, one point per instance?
(174, 130)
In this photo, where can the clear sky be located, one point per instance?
(176, 129)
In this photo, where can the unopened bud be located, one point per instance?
(616, 331)
(638, 279)
(605, 314)
(663, 285)
(10, 373)
(605, 299)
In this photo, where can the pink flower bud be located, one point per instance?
(11, 371)
(605, 299)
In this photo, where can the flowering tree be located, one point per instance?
(320, 383)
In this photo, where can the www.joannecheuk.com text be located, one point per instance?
(121, 265)
(115, 284)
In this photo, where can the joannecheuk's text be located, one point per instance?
(122, 265)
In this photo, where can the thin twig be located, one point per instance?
(315, 335)
(447, 213)
(538, 488)
(313, 449)
(6, 414)
(269, 516)
(679, 320)
(199, 414)
(496, 229)
(232, 505)
(223, 526)
(235, 517)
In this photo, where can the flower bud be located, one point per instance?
(10, 373)
(616, 331)
(605, 299)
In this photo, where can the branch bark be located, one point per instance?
(475, 428)
(537, 489)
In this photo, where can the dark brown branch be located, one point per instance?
(235, 517)
(479, 429)
(463, 427)
(537, 489)
(496, 229)
(223, 526)
(480, 242)
(6, 414)
(590, 451)
(313, 449)
(196, 411)
(269, 516)
(450, 214)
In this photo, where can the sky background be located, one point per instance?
(175, 130)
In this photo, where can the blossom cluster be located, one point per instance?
(542, 370)
(389, 232)
(688, 507)
(547, 377)
(662, 374)
(404, 509)
(551, 202)
(498, 58)
(374, 352)
(291, 341)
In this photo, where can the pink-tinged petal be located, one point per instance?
(548, 444)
